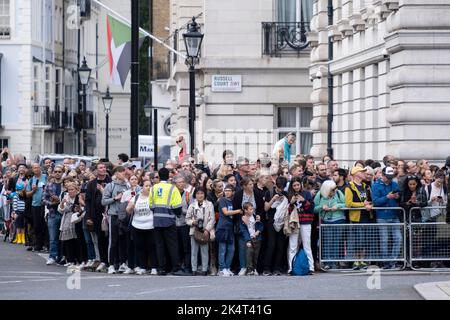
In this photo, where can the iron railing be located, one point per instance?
(284, 38)
(41, 116)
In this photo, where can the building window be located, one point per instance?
(5, 20)
(294, 10)
(296, 119)
(3, 143)
(58, 88)
(36, 85)
(47, 86)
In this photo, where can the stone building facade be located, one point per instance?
(391, 81)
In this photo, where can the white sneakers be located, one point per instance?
(101, 267)
(154, 272)
(141, 272)
(111, 270)
(128, 271)
(243, 272)
(123, 268)
(226, 273)
(50, 261)
(90, 263)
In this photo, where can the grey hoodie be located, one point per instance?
(111, 191)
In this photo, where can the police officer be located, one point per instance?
(165, 200)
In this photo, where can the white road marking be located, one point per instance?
(5, 282)
(175, 288)
(35, 272)
(43, 280)
(114, 285)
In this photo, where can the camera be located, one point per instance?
(200, 224)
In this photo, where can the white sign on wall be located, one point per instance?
(226, 83)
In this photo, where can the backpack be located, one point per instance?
(300, 264)
(429, 191)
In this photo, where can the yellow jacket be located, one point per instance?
(353, 200)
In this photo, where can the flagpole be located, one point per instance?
(148, 34)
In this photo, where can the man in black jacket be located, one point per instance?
(94, 216)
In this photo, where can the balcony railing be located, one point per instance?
(55, 120)
(41, 116)
(284, 38)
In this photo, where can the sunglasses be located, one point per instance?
(178, 141)
(57, 171)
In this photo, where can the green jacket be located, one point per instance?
(330, 216)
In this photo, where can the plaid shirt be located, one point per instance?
(51, 190)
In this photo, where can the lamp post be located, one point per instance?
(193, 41)
(84, 73)
(107, 104)
(148, 114)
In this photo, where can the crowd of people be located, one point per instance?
(238, 218)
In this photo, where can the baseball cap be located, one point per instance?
(388, 172)
(357, 169)
(128, 165)
(20, 187)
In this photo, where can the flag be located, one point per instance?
(119, 49)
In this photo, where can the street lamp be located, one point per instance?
(107, 104)
(84, 73)
(193, 41)
(148, 113)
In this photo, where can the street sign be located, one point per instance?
(226, 83)
(146, 145)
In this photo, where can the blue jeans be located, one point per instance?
(89, 243)
(385, 233)
(53, 223)
(226, 253)
(357, 241)
(332, 241)
(242, 244)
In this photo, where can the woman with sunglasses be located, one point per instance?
(329, 202)
(181, 143)
(302, 202)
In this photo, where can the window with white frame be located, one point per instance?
(58, 88)
(5, 19)
(47, 86)
(36, 79)
(294, 10)
(296, 119)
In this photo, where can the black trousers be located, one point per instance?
(144, 242)
(315, 238)
(167, 239)
(103, 243)
(184, 245)
(276, 244)
(38, 226)
(72, 250)
(82, 246)
(117, 243)
(131, 250)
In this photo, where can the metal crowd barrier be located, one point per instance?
(429, 236)
(369, 243)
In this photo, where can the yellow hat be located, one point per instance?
(357, 169)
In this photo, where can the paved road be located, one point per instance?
(24, 275)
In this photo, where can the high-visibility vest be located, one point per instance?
(164, 197)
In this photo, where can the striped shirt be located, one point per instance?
(18, 204)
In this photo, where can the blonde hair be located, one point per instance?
(223, 171)
(73, 185)
(326, 188)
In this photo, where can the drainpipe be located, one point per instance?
(330, 84)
